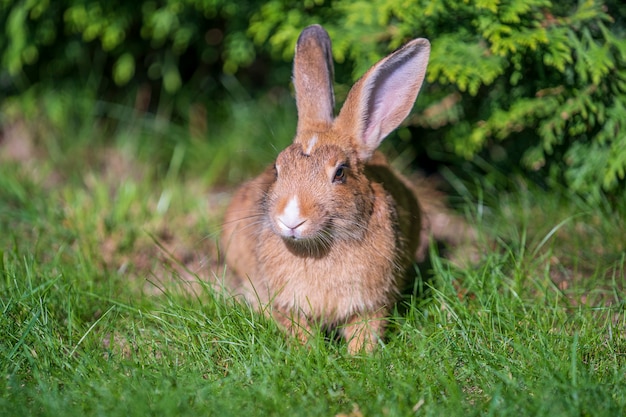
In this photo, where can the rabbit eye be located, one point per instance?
(340, 174)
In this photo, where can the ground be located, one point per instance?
(109, 306)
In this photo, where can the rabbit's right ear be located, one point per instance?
(313, 80)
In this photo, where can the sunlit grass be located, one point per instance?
(108, 272)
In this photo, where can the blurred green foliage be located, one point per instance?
(529, 83)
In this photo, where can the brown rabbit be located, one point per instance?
(327, 234)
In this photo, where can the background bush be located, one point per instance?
(521, 83)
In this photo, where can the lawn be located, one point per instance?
(111, 303)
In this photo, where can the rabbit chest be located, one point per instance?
(346, 279)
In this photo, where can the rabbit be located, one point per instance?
(328, 234)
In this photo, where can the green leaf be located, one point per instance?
(124, 69)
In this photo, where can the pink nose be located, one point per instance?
(291, 227)
(291, 221)
(291, 224)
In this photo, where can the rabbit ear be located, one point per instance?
(313, 79)
(384, 96)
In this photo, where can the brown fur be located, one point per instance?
(326, 235)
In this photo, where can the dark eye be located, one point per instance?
(340, 174)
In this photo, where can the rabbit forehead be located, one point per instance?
(312, 160)
(310, 141)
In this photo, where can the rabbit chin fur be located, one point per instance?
(326, 235)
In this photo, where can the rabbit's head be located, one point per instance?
(318, 195)
(321, 193)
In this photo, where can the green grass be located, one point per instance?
(108, 308)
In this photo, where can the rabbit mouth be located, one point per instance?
(303, 234)
(316, 246)
(296, 231)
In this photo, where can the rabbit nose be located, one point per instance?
(291, 226)
(290, 219)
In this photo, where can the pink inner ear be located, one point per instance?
(390, 92)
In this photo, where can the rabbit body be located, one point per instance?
(328, 233)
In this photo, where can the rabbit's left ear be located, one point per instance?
(313, 80)
(384, 96)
